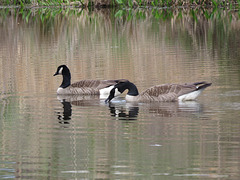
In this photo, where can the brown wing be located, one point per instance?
(167, 92)
(96, 84)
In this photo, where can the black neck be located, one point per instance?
(66, 80)
(121, 87)
(132, 89)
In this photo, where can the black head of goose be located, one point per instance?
(84, 87)
(159, 93)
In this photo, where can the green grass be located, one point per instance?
(39, 2)
(47, 15)
(124, 3)
(15, 2)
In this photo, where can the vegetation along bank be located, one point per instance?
(122, 3)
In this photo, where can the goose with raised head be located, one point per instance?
(159, 93)
(84, 87)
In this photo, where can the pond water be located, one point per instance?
(45, 136)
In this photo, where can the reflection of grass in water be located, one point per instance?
(189, 24)
(124, 3)
(194, 22)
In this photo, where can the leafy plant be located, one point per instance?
(125, 3)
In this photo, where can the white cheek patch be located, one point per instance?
(60, 70)
(117, 93)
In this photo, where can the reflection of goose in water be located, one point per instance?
(76, 100)
(69, 100)
(173, 109)
(67, 113)
(121, 112)
(79, 100)
(84, 87)
(163, 109)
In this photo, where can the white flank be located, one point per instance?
(105, 91)
(61, 91)
(190, 96)
(130, 98)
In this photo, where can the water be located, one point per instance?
(45, 136)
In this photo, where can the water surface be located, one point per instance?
(43, 135)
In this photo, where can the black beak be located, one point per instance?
(107, 100)
(111, 96)
(55, 74)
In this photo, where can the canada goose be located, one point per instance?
(165, 92)
(84, 87)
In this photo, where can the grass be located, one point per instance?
(47, 15)
(123, 3)
(40, 2)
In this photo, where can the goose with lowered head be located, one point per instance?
(84, 87)
(159, 93)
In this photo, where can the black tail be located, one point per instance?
(202, 85)
(121, 80)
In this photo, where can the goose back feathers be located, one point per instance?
(160, 93)
(89, 87)
(84, 87)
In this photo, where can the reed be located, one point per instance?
(124, 3)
